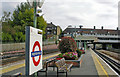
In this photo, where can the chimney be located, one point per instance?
(117, 28)
(51, 23)
(80, 26)
(94, 27)
(102, 27)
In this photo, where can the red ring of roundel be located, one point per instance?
(36, 63)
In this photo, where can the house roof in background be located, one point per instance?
(88, 30)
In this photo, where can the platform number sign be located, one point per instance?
(33, 50)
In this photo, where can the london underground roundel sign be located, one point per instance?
(36, 53)
(33, 59)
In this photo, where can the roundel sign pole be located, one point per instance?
(33, 59)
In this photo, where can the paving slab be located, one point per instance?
(87, 66)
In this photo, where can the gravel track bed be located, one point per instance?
(111, 54)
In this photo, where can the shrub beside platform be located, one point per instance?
(76, 63)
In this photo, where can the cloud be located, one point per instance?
(110, 3)
(76, 12)
(13, 0)
(0, 9)
(8, 7)
(106, 16)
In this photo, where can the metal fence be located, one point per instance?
(20, 46)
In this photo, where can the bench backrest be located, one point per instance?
(44, 64)
(60, 63)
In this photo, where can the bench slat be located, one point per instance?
(62, 66)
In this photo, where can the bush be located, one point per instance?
(83, 52)
(68, 55)
(80, 52)
(67, 44)
(60, 55)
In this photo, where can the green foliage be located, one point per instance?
(23, 19)
(6, 37)
(6, 29)
(14, 28)
(79, 52)
(6, 17)
(41, 23)
(69, 55)
(60, 55)
(19, 37)
(23, 16)
(67, 44)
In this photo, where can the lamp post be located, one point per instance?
(81, 35)
(35, 17)
(75, 31)
(35, 4)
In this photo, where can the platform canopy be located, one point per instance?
(89, 38)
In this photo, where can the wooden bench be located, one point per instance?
(46, 64)
(63, 67)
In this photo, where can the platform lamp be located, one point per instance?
(37, 4)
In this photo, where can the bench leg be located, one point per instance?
(53, 68)
(57, 71)
(37, 73)
(66, 74)
(70, 69)
(46, 73)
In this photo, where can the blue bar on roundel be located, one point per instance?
(36, 53)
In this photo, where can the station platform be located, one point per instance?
(19, 66)
(92, 65)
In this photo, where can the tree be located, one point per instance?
(41, 23)
(23, 16)
(19, 37)
(6, 37)
(6, 17)
(14, 26)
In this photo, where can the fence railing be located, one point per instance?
(20, 46)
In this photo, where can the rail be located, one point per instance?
(115, 65)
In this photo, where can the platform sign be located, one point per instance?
(33, 50)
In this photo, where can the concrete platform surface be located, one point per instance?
(87, 67)
(92, 66)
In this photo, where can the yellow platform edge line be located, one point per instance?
(102, 67)
(20, 65)
(97, 63)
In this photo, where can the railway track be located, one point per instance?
(12, 55)
(23, 54)
(16, 57)
(115, 65)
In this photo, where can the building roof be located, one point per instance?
(87, 30)
(86, 38)
(50, 25)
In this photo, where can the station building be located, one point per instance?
(94, 36)
(52, 31)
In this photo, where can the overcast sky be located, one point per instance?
(88, 13)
